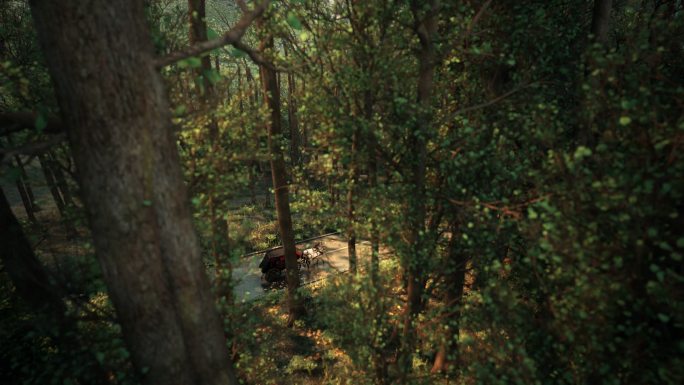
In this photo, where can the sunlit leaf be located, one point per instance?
(237, 53)
(293, 21)
(212, 75)
(211, 34)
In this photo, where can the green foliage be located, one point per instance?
(553, 162)
(358, 316)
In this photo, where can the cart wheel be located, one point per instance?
(272, 275)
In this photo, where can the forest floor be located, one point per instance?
(270, 352)
(249, 284)
(266, 350)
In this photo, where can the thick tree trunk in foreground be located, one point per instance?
(279, 174)
(100, 57)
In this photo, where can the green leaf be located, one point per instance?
(659, 146)
(41, 122)
(293, 21)
(237, 53)
(212, 75)
(194, 62)
(211, 34)
(680, 243)
(625, 120)
(180, 110)
(582, 152)
(147, 203)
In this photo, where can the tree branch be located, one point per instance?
(232, 37)
(484, 104)
(33, 148)
(11, 122)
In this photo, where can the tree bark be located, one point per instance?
(426, 29)
(100, 57)
(600, 21)
(293, 122)
(351, 213)
(25, 190)
(51, 181)
(22, 265)
(240, 93)
(280, 186)
(25, 193)
(61, 181)
(198, 33)
(373, 183)
(454, 279)
(33, 286)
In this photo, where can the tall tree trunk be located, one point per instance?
(65, 192)
(426, 31)
(351, 214)
(198, 33)
(254, 105)
(304, 131)
(61, 181)
(51, 181)
(52, 184)
(279, 175)
(293, 122)
(29, 204)
(454, 279)
(250, 163)
(25, 182)
(600, 20)
(372, 181)
(25, 190)
(600, 27)
(100, 57)
(240, 91)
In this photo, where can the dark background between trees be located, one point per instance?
(507, 175)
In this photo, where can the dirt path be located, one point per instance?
(335, 260)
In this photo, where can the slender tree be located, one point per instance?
(454, 278)
(280, 186)
(425, 27)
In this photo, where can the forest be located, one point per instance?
(220, 192)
